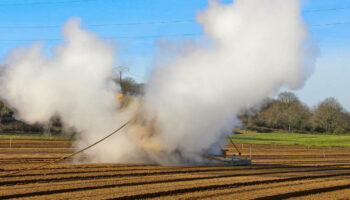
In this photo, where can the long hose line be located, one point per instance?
(66, 157)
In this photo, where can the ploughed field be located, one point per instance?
(278, 172)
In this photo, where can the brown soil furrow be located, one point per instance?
(296, 170)
(147, 173)
(47, 192)
(217, 187)
(304, 192)
(242, 192)
(336, 194)
(236, 173)
(97, 176)
(117, 168)
(57, 171)
(65, 166)
(34, 186)
(270, 190)
(80, 166)
(150, 167)
(169, 191)
(278, 172)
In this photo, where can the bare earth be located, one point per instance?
(278, 172)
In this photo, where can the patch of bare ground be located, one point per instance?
(278, 172)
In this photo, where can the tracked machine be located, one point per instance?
(232, 160)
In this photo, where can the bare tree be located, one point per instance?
(121, 70)
(288, 112)
(288, 98)
(330, 117)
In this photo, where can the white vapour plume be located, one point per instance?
(257, 46)
(75, 84)
(252, 48)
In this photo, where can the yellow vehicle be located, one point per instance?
(139, 125)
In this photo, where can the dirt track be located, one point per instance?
(278, 172)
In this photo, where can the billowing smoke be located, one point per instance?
(251, 49)
(75, 83)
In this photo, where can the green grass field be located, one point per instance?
(327, 140)
(293, 139)
(40, 137)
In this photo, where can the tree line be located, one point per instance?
(9, 123)
(287, 112)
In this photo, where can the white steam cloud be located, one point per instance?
(252, 49)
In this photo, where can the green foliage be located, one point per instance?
(4, 110)
(9, 124)
(330, 117)
(327, 140)
(288, 113)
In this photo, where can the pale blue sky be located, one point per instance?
(330, 78)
